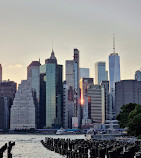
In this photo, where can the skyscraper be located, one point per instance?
(54, 93)
(138, 75)
(0, 73)
(23, 115)
(84, 73)
(76, 86)
(85, 108)
(72, 82)
(100, 72)
(70, 87)
(127, 91)
(96, 94)
(33, 75)
(7, 94)
(114, 76)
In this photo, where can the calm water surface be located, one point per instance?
(29, 146)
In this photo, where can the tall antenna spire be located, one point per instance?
(114, 43)
(52, 45)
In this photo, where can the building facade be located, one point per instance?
(7, 92)
(33, 74)
(127, 91)
(107, 99)
(96, 95)
(85, 108)
(100, 72)
(4, 113)
(54, 93)
(138, 75)
(23, 110)
(77, 108)
(114, 76)
(84, 73)
(0, 73)
(65, 106)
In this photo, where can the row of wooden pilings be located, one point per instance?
(80, 148)
(8, 146)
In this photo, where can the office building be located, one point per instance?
(7, 94)
(114, 76)
(107, 99)
(138, 75)
(77, 109)
(4, 113)
(96, 95)
(72, 82)
(84, 73)
(42, 103)
(127, 91)
(23, 110)
(100, 72)
(65, 105)
(85, 108)
(54, 93)
(33, 75)
(0, 73)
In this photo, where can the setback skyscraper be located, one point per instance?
(23, 111)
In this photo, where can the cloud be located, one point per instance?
(17, 66)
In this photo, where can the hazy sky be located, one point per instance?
(28, 27)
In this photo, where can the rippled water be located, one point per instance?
(29, 146)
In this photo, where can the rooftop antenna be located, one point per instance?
(52, 45)
(113, 43)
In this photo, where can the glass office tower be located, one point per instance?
(54, 93)
(100, 72)
(114, 76)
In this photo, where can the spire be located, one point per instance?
(53, 55)
(114, 43)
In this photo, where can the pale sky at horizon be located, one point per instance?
(28, 27)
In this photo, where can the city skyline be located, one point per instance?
(28, 31)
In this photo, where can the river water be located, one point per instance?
(29, 146)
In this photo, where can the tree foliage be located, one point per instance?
(123, 115)
(130, 117)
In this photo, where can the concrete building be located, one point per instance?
(127, 91)
(138, 75)
(84, 73)
(114, 76)
(23, 109)
(0, 73)
(96, 95)
(100, 72)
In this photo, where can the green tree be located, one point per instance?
(123, 115)
(134, 123)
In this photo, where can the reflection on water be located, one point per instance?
(29, 146)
